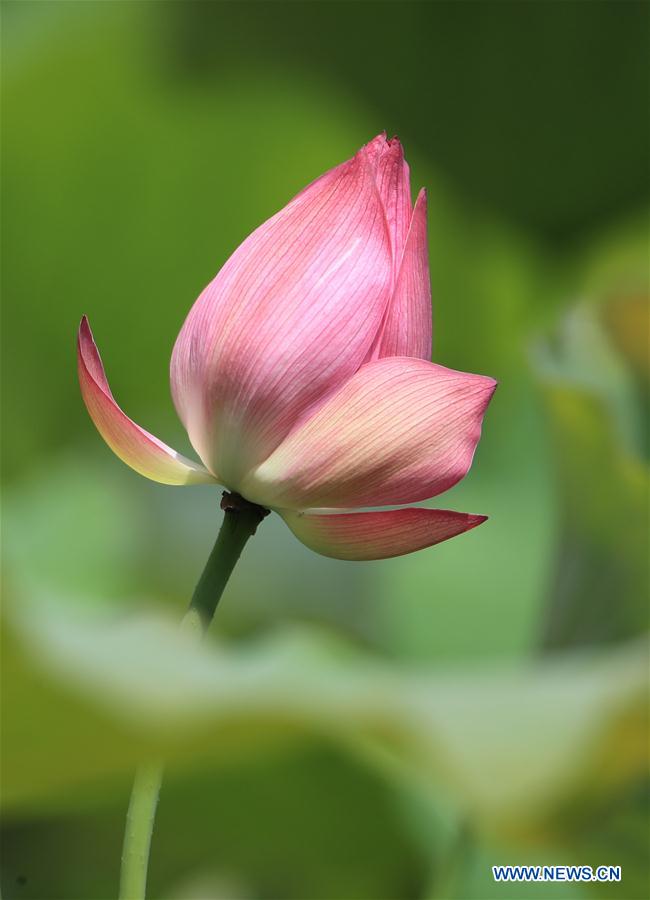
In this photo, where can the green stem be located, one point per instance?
(239, 524)
(139, 827)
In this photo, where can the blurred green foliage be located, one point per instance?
(383, 730)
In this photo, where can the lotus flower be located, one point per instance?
(302, 373)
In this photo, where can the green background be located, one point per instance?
(377, 730)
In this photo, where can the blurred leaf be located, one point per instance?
(602, 578)
(508, 745)
(627, 318)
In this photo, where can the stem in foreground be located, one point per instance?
(239, 524)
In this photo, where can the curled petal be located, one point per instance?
(289, 318)
(377, 535)
(134, 446)
(399, 431)
(407, 327)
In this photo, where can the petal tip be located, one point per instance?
(488, 386)
(381, 145)
(382, 534)
(474, 520)
(395, 146)
(85, 337)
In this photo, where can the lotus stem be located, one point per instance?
(239, 524)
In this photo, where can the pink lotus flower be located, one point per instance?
(302, 372)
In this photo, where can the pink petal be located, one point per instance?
(392, 176)
(377, 535)
(134, 446)
(401, 430)
(407, 327)
(289, 318)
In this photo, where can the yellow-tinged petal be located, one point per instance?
(399, 431)
(134, 446)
